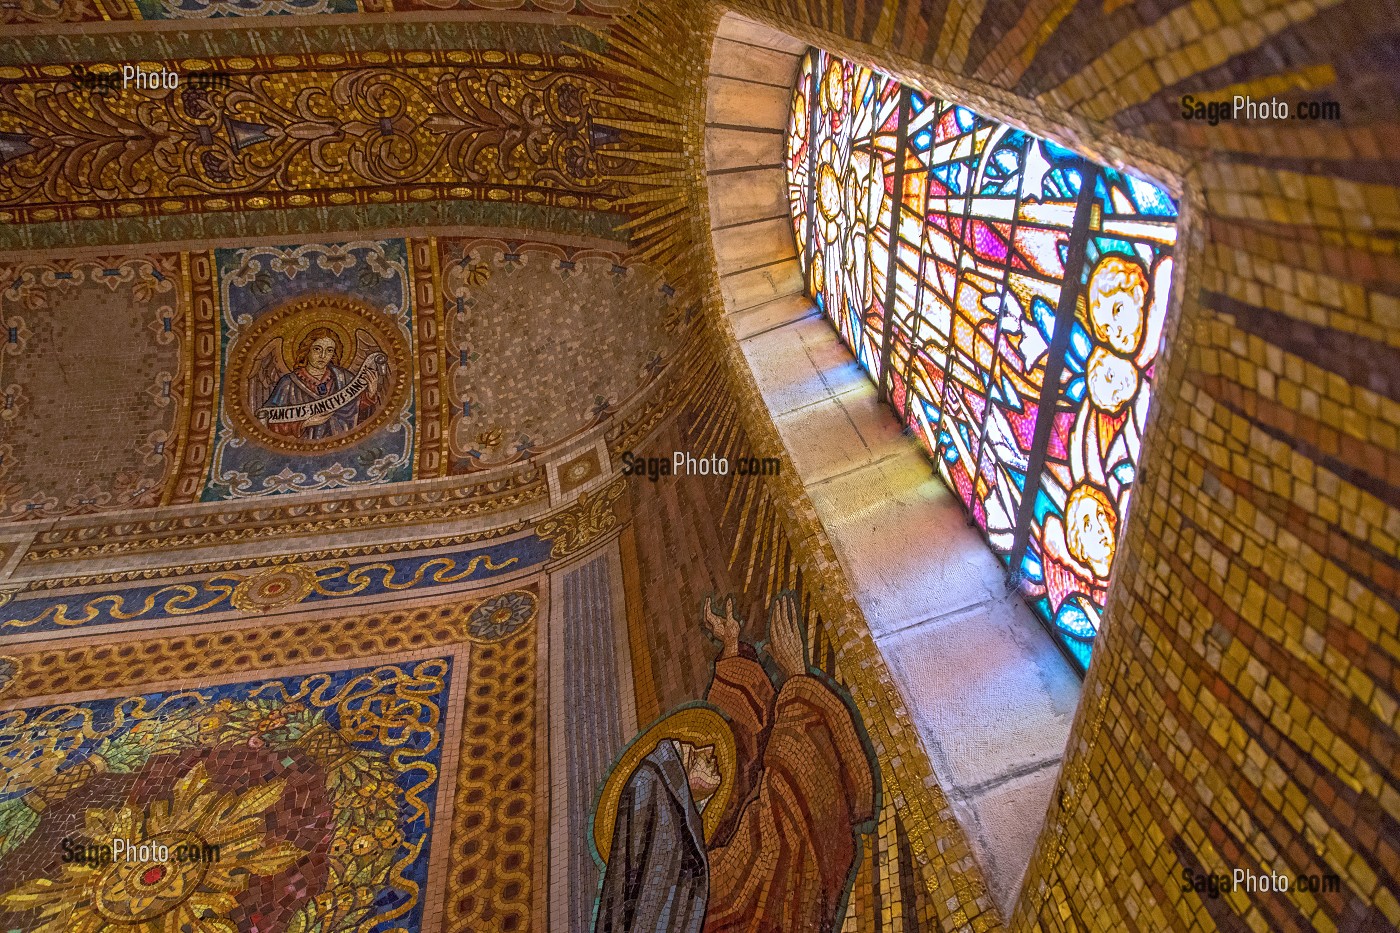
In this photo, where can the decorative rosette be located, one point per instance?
(499, 617)
(274, 588)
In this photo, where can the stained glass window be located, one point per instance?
(800, 159)
(853, 135)
(1008, 297)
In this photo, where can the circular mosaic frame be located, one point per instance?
(345, 315)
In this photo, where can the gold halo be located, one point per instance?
(697, 725)
(293, 340)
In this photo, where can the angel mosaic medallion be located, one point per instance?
(317, 374)
(316, 383)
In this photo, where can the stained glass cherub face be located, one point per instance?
(1091, 529)
(1111, 380)
(1117, 302)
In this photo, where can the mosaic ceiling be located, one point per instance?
(334, 254)
(163, 378)
(263, 131)
(198, 633)
(304, 130)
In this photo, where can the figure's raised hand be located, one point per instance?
(724, 627)
(785, 642)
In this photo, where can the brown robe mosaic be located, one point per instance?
(780, 834)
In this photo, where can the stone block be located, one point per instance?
(822, 439)
(990, 693)
(751, 63)
(747, 103)
(757, 286)
(743, 197)
(903, 541)
(742, 29)
(779, 312)
(748, 246)
(801, 364)
(1003, 824)
(727, 149)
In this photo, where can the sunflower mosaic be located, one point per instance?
(307, 803)
(155, 894)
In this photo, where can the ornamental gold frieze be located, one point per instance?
(516, 488)
(318, 555)
(373, 632)
(64, 546)
(296, 131)
(278, 588)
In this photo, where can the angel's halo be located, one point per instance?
(310, 320)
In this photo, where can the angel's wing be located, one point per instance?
(266, 371)
(365, 346)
